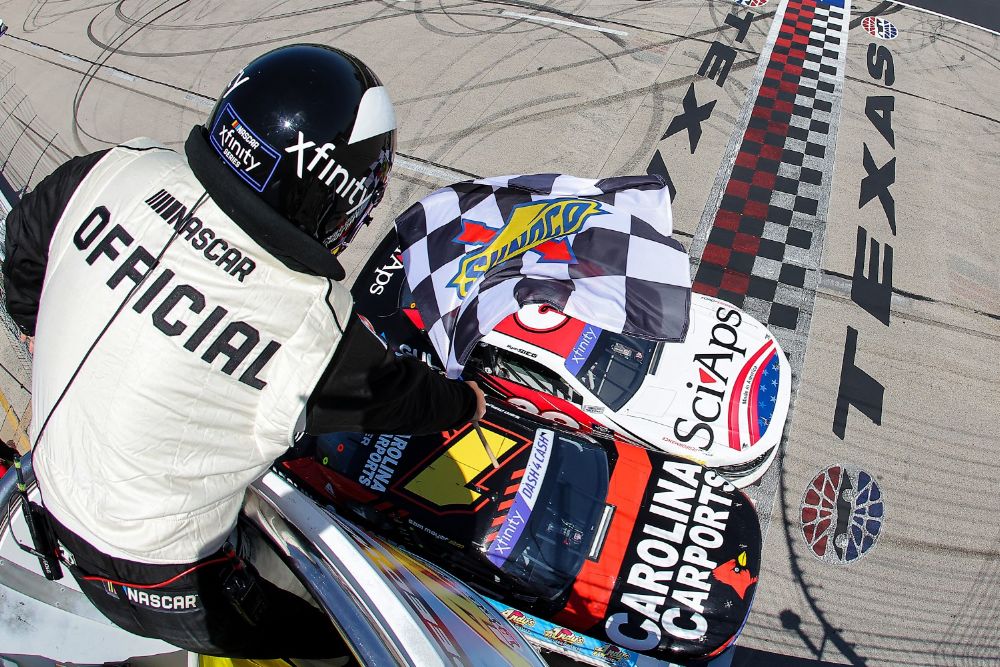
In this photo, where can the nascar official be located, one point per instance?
(187, 325)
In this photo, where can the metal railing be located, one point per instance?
(29, 150)
(384, 621)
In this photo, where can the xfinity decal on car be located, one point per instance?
(581, 350)
(524, 500)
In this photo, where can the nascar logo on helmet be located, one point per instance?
(312, 130)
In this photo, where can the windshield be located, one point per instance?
(547, 532)
(615, 367)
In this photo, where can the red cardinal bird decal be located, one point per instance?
(735, 573)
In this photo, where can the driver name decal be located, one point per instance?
(524, 500)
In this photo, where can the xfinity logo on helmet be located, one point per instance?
(242, 152)
(246, 153)
(348, 186)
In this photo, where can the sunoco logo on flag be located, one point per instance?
(531, 226)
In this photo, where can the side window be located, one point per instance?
(532, 374)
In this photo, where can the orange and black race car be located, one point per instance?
(645, 550)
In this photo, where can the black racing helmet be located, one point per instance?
(311, 129)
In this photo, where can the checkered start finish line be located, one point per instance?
(764, 240)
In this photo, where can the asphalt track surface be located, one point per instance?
(788, 174)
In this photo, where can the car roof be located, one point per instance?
(442, 481)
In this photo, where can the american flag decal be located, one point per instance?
(765, 390)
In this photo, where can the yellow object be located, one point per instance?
(21, 443)
(486, 445)
(209, 661)
(444, 482)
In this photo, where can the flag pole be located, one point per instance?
(486, 445)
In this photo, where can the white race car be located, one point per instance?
(720, 397)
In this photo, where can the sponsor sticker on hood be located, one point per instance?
(691, 565)
(585, 344)
(764, 397)
(524, 500)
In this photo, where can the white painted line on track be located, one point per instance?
(572, 24)
(72, 59)
(200, 100)
(441, 173)
(120, 74)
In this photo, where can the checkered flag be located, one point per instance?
(598, 250)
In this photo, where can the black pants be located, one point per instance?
(195, 612)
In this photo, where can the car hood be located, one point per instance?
(722, 392)
(677, 570)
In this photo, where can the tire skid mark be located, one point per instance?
(570, 66)
(92, 70)
(440, 103)
(899, 91)
(33, 15)
(124, 18)
(588, 104)
(112, 71)
(705, 36)
(968, 629)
